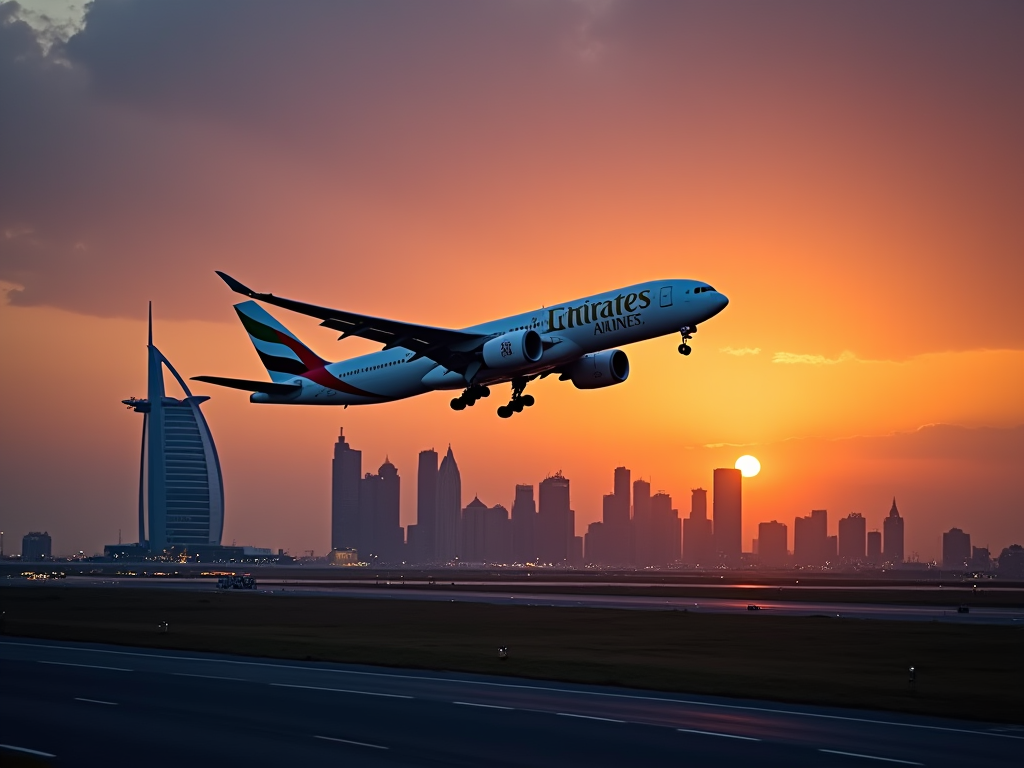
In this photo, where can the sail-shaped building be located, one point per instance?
(181, 492)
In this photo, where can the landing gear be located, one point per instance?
(687, 332)
(469, 397)
(519, 401)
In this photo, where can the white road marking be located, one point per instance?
(97, 701)
(349, 741)
(341, 690)
(715, 733)
(26, 750)
(870, 757)
(210, 677)
(588, 717)
(424, 678)
(87, 666)
(485, 706)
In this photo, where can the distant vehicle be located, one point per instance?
(576, 340)
(963, 609)
(753, 607)
(236, 582)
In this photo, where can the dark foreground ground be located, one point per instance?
(86, 704)
(970, 672)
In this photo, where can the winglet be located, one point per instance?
(236, 286)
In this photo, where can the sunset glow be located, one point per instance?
(748, 465)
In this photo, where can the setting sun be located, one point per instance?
(748, 465)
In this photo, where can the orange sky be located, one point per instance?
(851, 177)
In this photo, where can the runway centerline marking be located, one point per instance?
(26, 750)
(349, 741)
(424, 678)
(588, 717)
(870, 757)
(485, 706)
(86, 666)
(97, 701)
(210, 677)
(342, 690)
(715, 733)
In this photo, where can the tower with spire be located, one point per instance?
(181, 491)
(892, 529)
(448, 510)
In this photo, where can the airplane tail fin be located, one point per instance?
(284, 356)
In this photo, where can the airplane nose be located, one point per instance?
(723, 301)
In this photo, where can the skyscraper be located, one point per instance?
(524, 525)
(555, 520)
(728, 514)
(875, 547)
(180, 484)
(852, 537)
(448, 510)
(956, 549)
(616, 532)
(388, 536)
(773, 544)
(892, 545)
(810, 538)
(426, 505)
(666, 528)
(698, 540)
(346, 472)
(643, 535)
(36, 546)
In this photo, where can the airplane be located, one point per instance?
(578, 340)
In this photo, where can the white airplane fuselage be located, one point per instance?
(569, 331)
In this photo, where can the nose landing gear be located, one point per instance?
(469, 397)
(687, 332)
(518, 402)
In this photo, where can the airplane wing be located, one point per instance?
(452, 349)
(250, 386)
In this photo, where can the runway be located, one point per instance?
(81, 704)
(444, 593)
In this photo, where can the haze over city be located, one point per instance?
(851, 176)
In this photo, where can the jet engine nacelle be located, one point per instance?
(601, 369)
(513, 350)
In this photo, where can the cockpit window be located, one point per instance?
(703, 289)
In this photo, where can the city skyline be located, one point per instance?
(505, 158)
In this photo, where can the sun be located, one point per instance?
(748, 465)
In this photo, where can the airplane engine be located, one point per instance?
(601, 369)
(513, 350)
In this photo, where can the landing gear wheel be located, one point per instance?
(504, 411)
(458, 404)
(528, 400)
(517, 406)
(484, 392)
(684, 349)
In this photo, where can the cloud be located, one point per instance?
(791, 358)
(741, 351)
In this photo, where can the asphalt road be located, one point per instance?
(977, 615)
(83, 705)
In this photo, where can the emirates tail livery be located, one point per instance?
(577, 340)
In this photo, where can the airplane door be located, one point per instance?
(666, 295)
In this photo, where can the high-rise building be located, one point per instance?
(728, 514)
(956, 549)
(36, 546)
(667, 529)
(181, 491)
(852, 537)
(364, 543)
(643, 535)
(892, 546)
(426, 506)
(595, 549)
(773, 544)
(486, 533)
(555, 521)
(346, 476)
(810, 538)
(448, 510)
(388, 536)
(981, 559)
(524, 524)
(698, 538)
(875, 547)
(617, 533)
